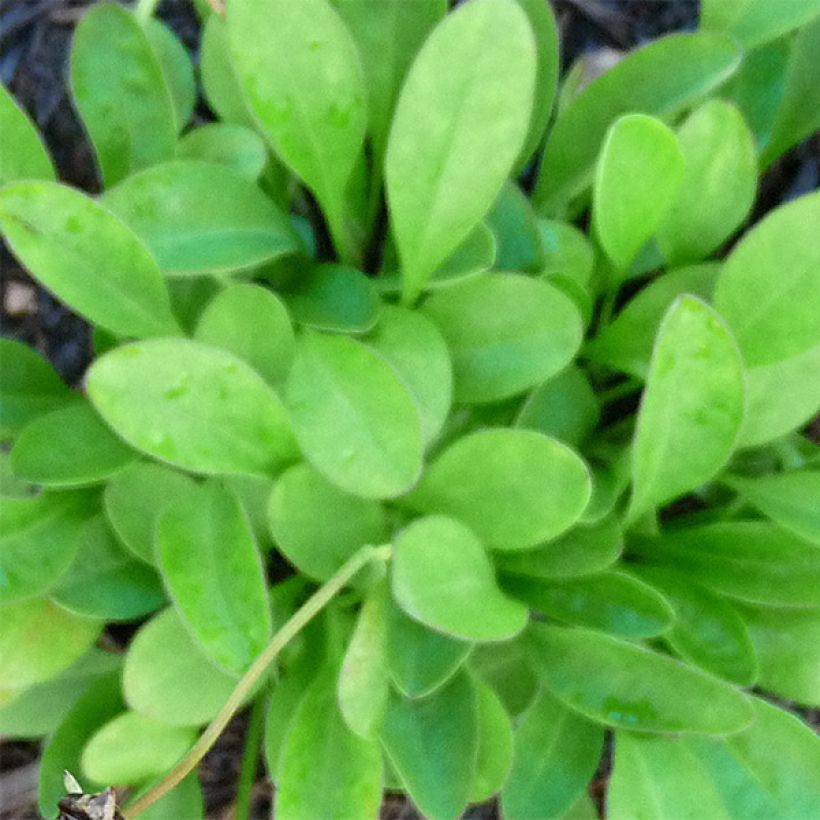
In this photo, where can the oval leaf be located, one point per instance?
(22, 152)
(226, 143)
(495, 745)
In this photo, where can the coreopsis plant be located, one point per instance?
(446, 416)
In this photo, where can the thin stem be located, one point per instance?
(145, 10)
(309, 610)
(250, 760)
(619, 391)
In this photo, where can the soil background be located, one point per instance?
(35, 37)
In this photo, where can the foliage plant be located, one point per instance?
(444, 415)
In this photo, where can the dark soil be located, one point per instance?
(34, 41)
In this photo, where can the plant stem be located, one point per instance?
(250, 760)
(145, 10)
(343, 242)
(309, 610)
(619, 391)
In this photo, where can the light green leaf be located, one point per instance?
(637, 179)
(252, 323)
(213, 571)
(220, 84)
(583, 550)
(582, 809)
(134, 500)
(56, 231)
(515, 488)
(22, 152)
(787, 644)
(790, 499)
(719, 183)
(755, 22)
(443, 578)
(506, 667)
(416, 350)
(120, 91)
(226, 143)
(303, 80)
(447, 721)
(335, 298)
(172, 208)
(626, 343)
(162, 662)
(567, 251)
(104, 581)
(661, 79)
(39, 539)
(621, 684)
(768, 288)
(421, 660)
(29, 387)
(184, 800)
(495, 745)
(753, 561)
(132, 748)
(707, 631)
(193, 406)
(326, 770)
(515, 226)
(69, 447)
(506, 333)
(461, 120)
(317, 526)
(612, 601)
(355, 420)
(61, 639)
(177, 69)
(555, 755)
(692, 408)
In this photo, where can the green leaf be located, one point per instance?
(692, 408)
(565, 407)
(555, 755)
(22, 152)
(443, 578)
(40, 537)
(119, 89)
(184, 800)
(515, 488)
(355, 420)
(621, 684)
(61, 638)
(29, 387)
(326, 770)
(567, 251)
(637, 178)
(495, 745)
(661, 79)
(363, 685)
(421, 660)
(193, 406)
(226, 143)
(317, 526)
(335, 298)
(69, 447)
(63, 748)
(515, 226)
(220, 83)
(213, 571)
(388, 35)
(177, 69)
(506, 667)
(447, 721)
(612, 601)
(506, 333)
(787, 644)
(626, 343)
(583, 550)
(789, 499)
(303, 80)
(169, 678)
(134, 500)
(767, 290)
(755, 22)
(172, 208)
(460, 122)
(416, 350)
(582, 809)
(132, 748)
(752, 561)
(719, 183)
(104, 581)
(56, 231)
(253, 324)
(707, 630)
